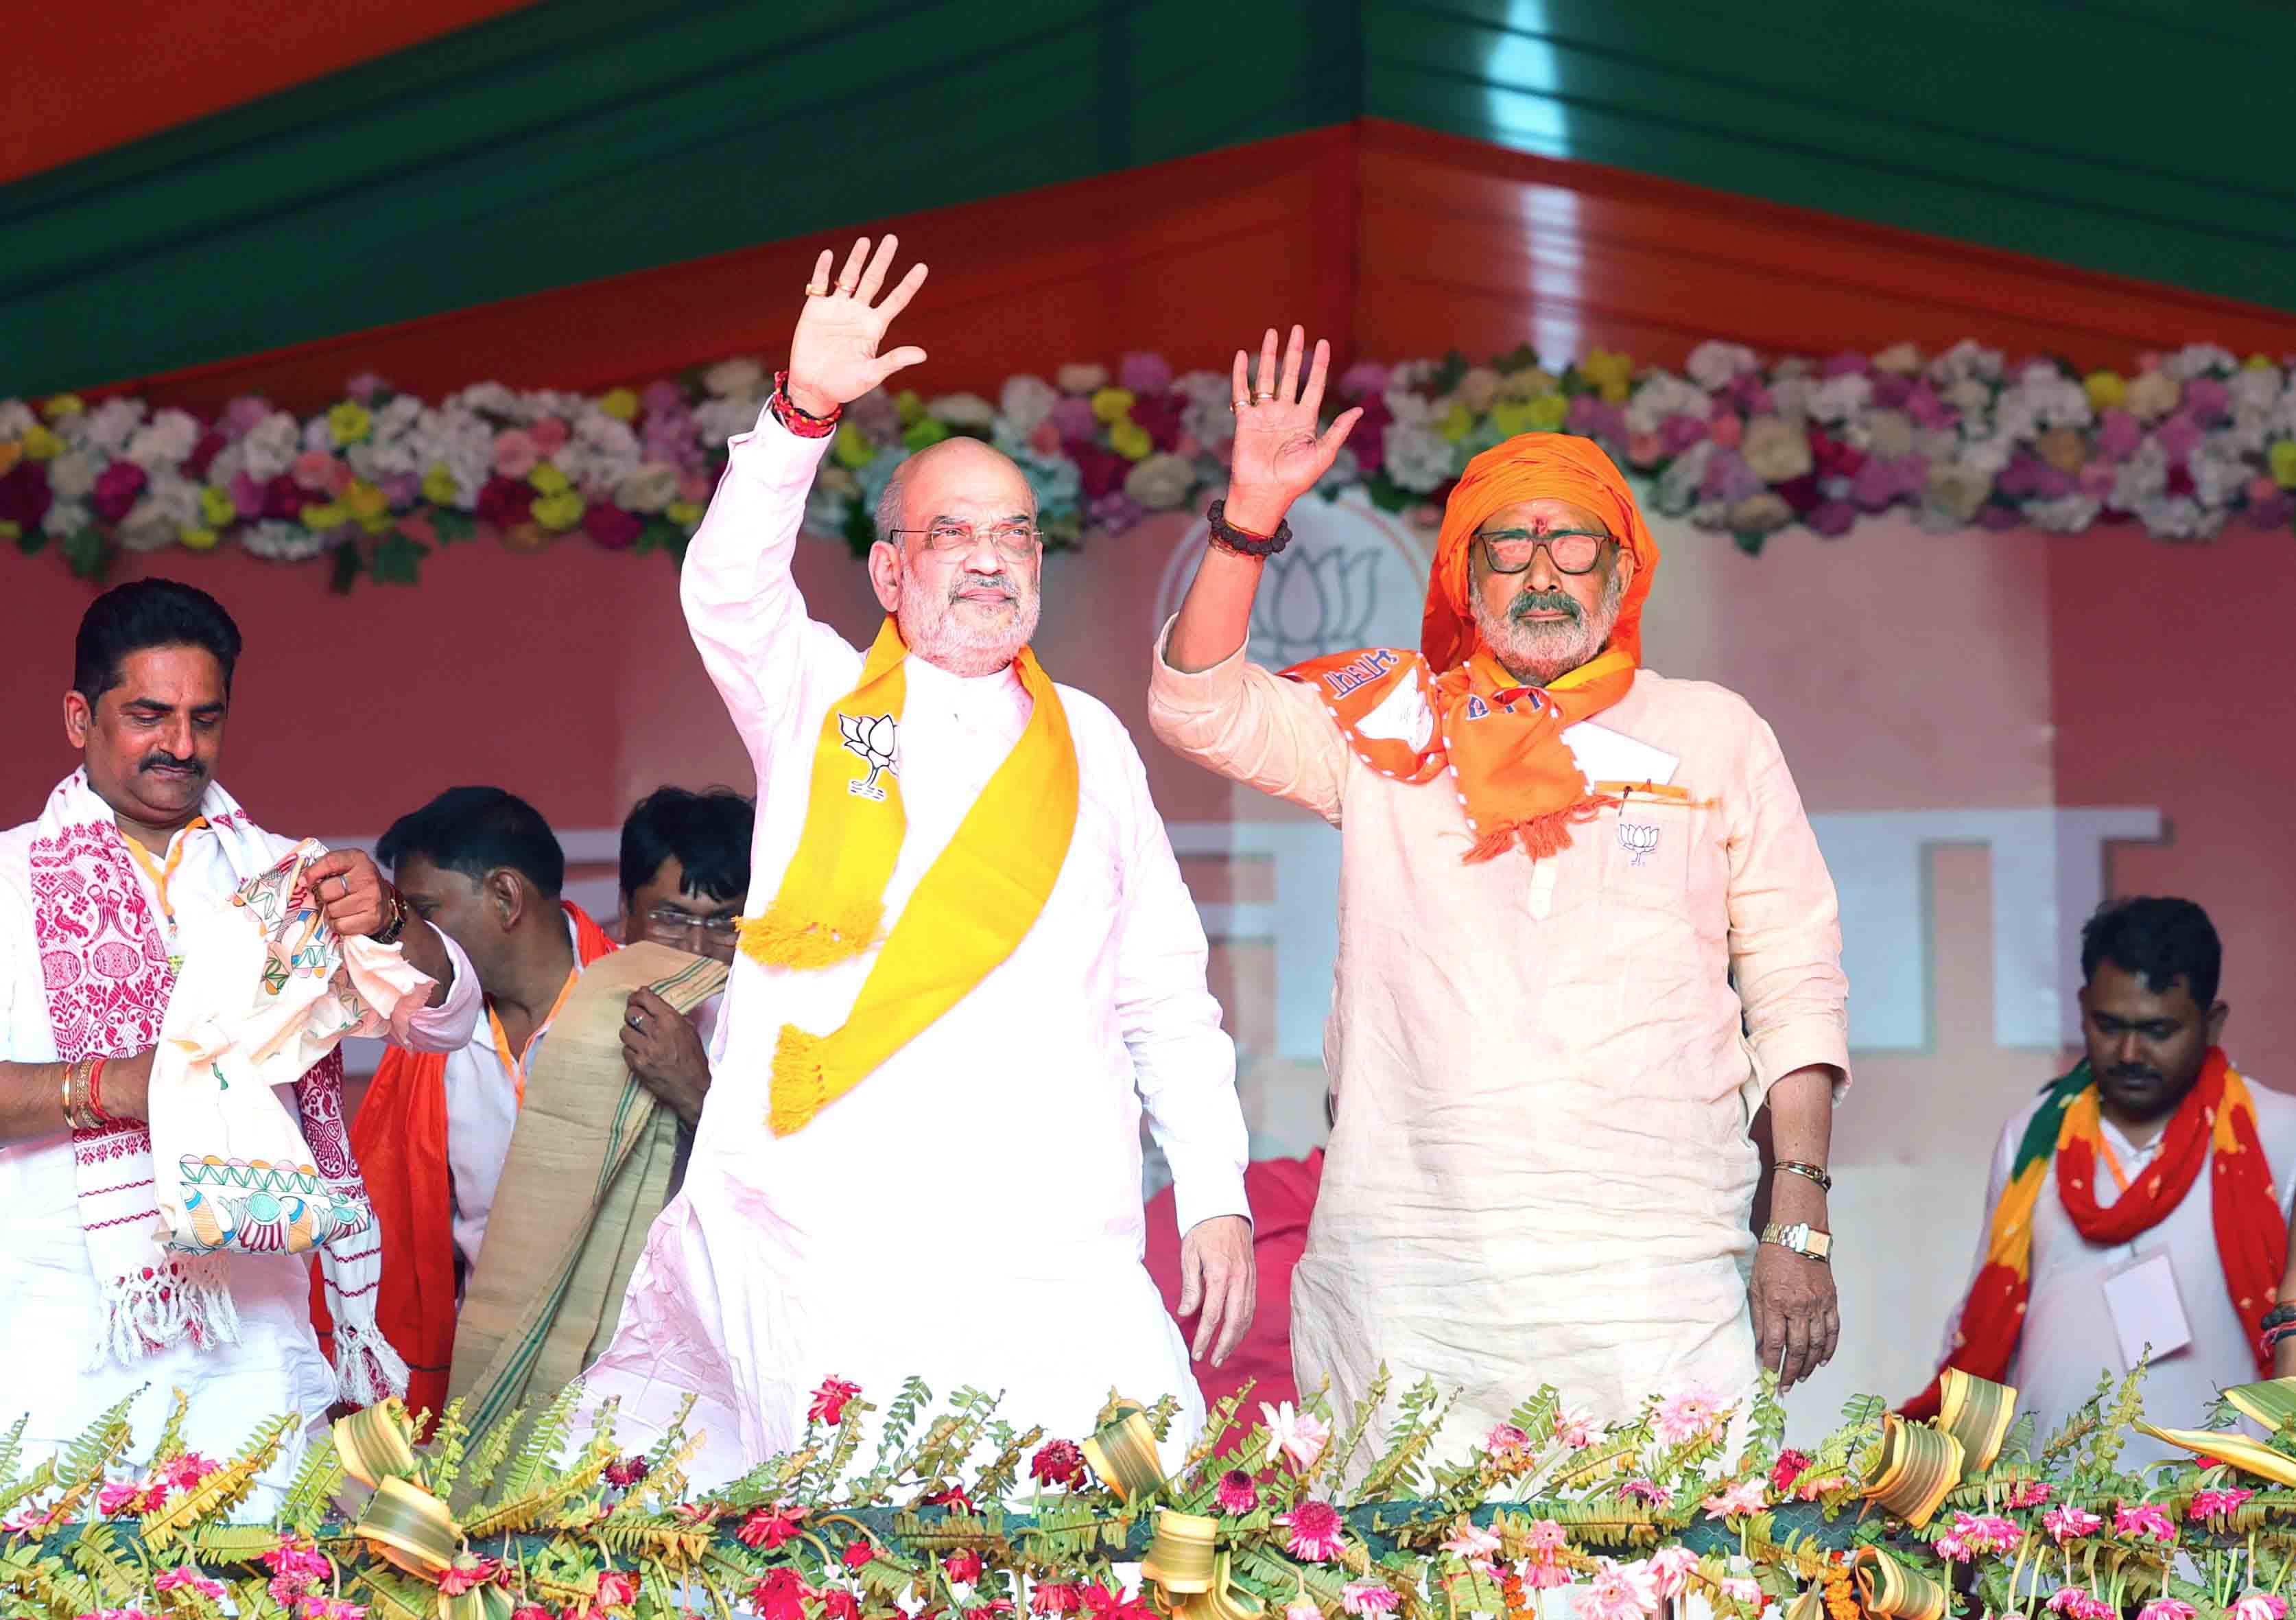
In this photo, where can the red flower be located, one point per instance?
(506, 502)
(627, 1472)
(839, 1604)
(1054, 1597)
(953, 1498)
(770, 1527)
(616, 1588)
(1102, 471)
(963, 1567)
(283, 499)
(1106, 1605)
(462, 1578)
(531, 1611)
(116, 489)
(829, 1401)
(25, 496)
(610, 526)
(1058, 1462)
(780, 1595)
(203, 454)
(1789, 1467)
(858, 1555)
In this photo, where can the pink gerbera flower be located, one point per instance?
(2065, 1523)
(1237, 1493)
(1574, 1427)
(2258, 1606)
(2079, 1603)
(1618, 1591)
(1671, 1570)
(1647, 1491)
(186, 1577)
(1694, 1414)
(1746, 1496)
(1789, 1467)
(2144, 1522)
(2032, 1493)
(2166, 1608)
(2220, 1503)
(1368, 1598)
(1316, 1528)
(1473, 1543)
(1505, 1441)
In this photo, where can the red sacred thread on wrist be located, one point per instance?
(795, 417)
(95, 1092)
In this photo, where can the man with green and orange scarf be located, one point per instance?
(1584, 936)
(2138, 1200)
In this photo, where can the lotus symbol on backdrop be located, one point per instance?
(1314, 600)
(1638, 837)
(873, 737)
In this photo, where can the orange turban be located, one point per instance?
(1527, 467)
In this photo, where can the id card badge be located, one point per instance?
(2148, 1312)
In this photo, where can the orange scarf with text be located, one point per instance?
(2215, 1125)
(1451, 710)
(399, 1137)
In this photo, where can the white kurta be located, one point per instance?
(969, 1213)
(49, 1290)
(2069, 1341)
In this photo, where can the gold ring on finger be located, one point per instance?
(814, 289)
(1261, 398)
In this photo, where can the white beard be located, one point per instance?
(1541, 652)
(934, 630)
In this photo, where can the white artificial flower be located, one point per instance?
(2257, 390)
(486, 399)
(1901, 359)
(718, 420)
(1418, 458)
(962, 410)
(71, 475)
(167, 441)
(1966, 359)
(2143, 477)
(318, 437)
(2219, 472)
(1955, 493)
(1714, 364)
(648, 488)
(2177, 517)
(282, 542)
(739, 375)
(16, 419)
(1886, 434)
(65, 517)
(1081, 379)
(1025, 401)
(271, 445)
(1408, 408)
(1988, 454)
(1971, 396)
(1838, 399)
(109, 426)
(1677, 486)
(2063, 514)
(1661, 395)
(1790, 396)
(1161, 481)
(2200, 360)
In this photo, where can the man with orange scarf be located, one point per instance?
(482, 866)
(1585, 936)
(2141, 1198)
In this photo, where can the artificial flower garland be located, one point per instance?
(376, 481)
(958, 1516)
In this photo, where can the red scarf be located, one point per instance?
(400, 1139)
(2216, 1125)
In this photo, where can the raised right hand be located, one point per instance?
(833, 356)
(1279, 454)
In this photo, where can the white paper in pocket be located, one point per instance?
(2146, 1309)
(1613, 756)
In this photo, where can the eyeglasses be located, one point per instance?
(1572, 551)
(954, 539)
(668, 919)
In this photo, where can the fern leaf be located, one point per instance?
(11, 1451)
(171, 1437)
(448, 1441)
(493, 1449)
(535, 1457)
(316, 1481)
(102, 1443)
(525, 1511)
(221, 1491)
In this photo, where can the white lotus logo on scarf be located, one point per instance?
(873, 737)
(1401, 716)
(1638, 837)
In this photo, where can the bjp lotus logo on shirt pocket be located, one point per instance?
(874, 738)
(1638, 839)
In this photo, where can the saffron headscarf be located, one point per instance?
(1452, 711)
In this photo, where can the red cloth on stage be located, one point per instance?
(1283, 1195)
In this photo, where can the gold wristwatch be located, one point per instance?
(1801, 1239)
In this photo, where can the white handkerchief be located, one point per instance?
(2146, 1311)
(1613, 756)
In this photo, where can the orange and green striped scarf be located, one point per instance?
(2216, 1124)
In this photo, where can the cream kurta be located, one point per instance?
(1540, 1171)
(970, 1212)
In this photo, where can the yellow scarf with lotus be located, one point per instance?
(970, 910)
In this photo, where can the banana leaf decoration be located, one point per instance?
(407, 1526)
(1122, 1451)
(1917, 1467)
(1977, 1412)
(1886, 1586)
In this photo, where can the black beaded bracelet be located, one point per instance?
(1242, 541)
(2279, 1316)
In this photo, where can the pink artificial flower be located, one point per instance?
(320, 473)
(365, 387)
(1694, 1414)
(1058, 1462)
(2032, 1493)
(1544, 1577)
(186, 1472)
(1573, 1426)
(186, 1576)
(1643, 450)
(2221, 1502)
(1647, 1491)
(1054, 1597)
(2166, 1608)
(2078, 1603)
(1953, 1546)
(626, 1471)
(1237, 1493)
(1746, 1496)
(1368, 1598)
(116, 489)
(859, 1556)
(1726, 428)
(963, 1567)
(2258, 1606)
(2144, 1522)
(770, 1527)
(318, 1608)
(515, 453)
(618, 1587)
(1789, 1467)
(1505, 1441)
(115, 1500)
(1144, 373)
(1364, 377)
(460, 1578)
(829, 1401)
(1670, 1569)
(1299, 1436)
(1739, 1589)
(1618, 1591)
(2063, 1524)
(1809, 1487)
(1545, 1539)
(1316, 1529)
(1473, 1543)
(549, 435)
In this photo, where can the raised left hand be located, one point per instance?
(1797, 1318)
(348, 888)
(664, 1053)
(1219, 1274)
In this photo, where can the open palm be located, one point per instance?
(833, 357)
(1278, 451)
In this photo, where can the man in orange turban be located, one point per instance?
(1586, 936)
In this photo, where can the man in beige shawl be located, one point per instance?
(1585, 936)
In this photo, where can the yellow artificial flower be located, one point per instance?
(924, 432)
(2282, 459)
(11, 453)
(42, 445)
(1456, 423)
(2258, 361)
(1511, 416)
(11, 531)
(369, 505)
(851, 449)
(1612, 373)
(548, 478)
(198, 539)
(686, 514)
(330, 515)
(1111, 406)
(1130, 441)
(1547, 412)
(2106, 388)
(559, 510)
(349, 422)
(621, 404)
(906, 407)
(216, 507)
(62, 405)
(438, 485)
